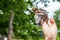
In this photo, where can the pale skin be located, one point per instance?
(50, 32)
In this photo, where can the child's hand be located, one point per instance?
(50, 32)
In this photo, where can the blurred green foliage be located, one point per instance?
(23, 27)
(57, 18)
(58, 0)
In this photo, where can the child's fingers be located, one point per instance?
(52, 21)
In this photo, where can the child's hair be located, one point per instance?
(34, 9)
(44, 16)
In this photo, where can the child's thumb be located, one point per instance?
(52, 21)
